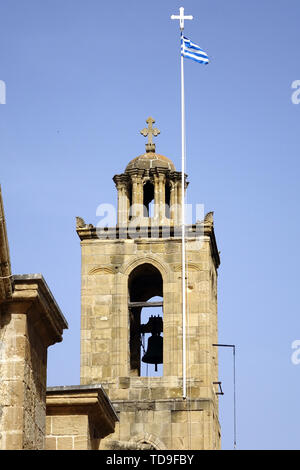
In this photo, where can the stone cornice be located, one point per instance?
(141, 173)
(83, 399)
(205, 228)
(121, 180)
(32, 296)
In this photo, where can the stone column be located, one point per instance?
(162, 198)
(137, 196)
(123, 213)
(173, 202)
(179, 201)
(179, 196)
(119, 205)
(156, 199)
(128, 187)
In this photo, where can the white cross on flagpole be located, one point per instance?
(181, 19)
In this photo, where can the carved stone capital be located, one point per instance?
(121, 181)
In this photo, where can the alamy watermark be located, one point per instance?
(2, 92)
(295, 357)
(296, 94)
(137, 222)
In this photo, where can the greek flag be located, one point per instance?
(190, 50)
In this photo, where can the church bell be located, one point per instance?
(154, 353)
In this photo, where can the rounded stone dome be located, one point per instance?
(150, 160)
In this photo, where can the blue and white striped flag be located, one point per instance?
(190, 50)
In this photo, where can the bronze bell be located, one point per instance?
(154, 353)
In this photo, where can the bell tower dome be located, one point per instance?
(148, 179)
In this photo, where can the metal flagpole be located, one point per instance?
(181, 19)
(183, 231)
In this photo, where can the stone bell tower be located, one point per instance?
(131, 271)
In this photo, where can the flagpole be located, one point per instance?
(181, 17)
(183, 228)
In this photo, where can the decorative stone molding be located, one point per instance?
(80, 223)
(143, 441)
(101, 270)
(162, 267)
(209, 218)
(146, 439)
(190, 267)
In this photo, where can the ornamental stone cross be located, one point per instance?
(150, 132)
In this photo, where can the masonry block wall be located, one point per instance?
(23, 385)
(122, 268)
(29, 322)
(153, 406)
(78, 417)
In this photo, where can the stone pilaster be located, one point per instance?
(123, 203)
(173, 202)
(156, 199)
(162, 198)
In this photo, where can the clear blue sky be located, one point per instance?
(82, 77)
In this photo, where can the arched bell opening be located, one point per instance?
(168, 199)
(152, 339)
(148, 197)
(145, 285)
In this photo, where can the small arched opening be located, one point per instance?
(148, 197)
(168, 198)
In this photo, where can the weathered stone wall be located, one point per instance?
(29, 323)
(23, 360)
(152, 406)
(104, 322)
(78, 417)
(106, 266)
(68, 433)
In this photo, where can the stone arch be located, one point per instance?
(190, 267)
(162, 267)
(144, 282)
(146, 439)
(101, 270)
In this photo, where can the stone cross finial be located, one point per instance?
(150, 132)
